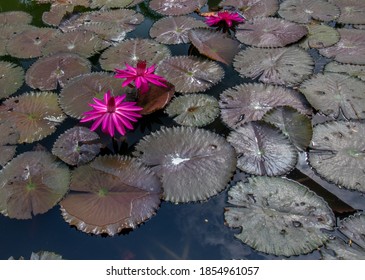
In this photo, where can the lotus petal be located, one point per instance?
(49, 72)
(253, 8)
(282, 66)
(31, 184)
(35, 115)
(12, 77)
(83, 42)
(176, 8)
(111, 194)
(303, 11)
(269, 32)
(337, 153)
(109, 3)
(263, 149)
(357, 71)
(193, 109)
(278, 216)
(77, 146)
(351, 11)
(337, 249)
(250, 102)
(190, 74)
(7, 31)
(205, 40)
(320, 36)
(193, 164)
(15, 18)
(174, 30)
(332, 93)
(350, 48)
(131, 51)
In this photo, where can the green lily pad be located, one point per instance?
(11, 78)
(320, 36)
(357, 71)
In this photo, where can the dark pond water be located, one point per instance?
(184, 231)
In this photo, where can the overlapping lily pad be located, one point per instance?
(8, 138)
(49, 72)
(263, 149)
(337, 153)
(34, 114)
(320, 36)
(354, 228)
(176, 8)
(111, 194)
(15, 18)
(338, 249)
(131, 51)
(11, 78)
(303, 11)
(281, 66)
(193, 164)
(193, 109)
(8, 31)
(250, 102)
(333, 93)
(190, 74)
(352, 11)
(269, 32)
(253, 8)
(31, 184)
(278, 216)
(56, 13)
(109, 3)
(357, 71)
(174, 30)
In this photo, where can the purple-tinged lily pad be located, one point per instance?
(31, 184)
(190, 74)
(11, 78)
(49, 72)
(263, 149)
(282, 66)
(111, 194)
(174, 30)
(333, 93)
(77, 146)
(303, 11)
(269, 32)
(107, 4)
(357, 71)
(56, 14)
(8, 31)
(15, 18)
(250, 102)
(320, 36)
(176, 8)
(351, 11)
(8, 138)
(253, 8)
(193, 164)
(7, 153)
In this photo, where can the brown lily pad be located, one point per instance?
(11, 78)
(320, 36)
(357, 71)
(351, 11)
(15, 18)
(8, 31)
(176, 8)
(107, 4)
(253, 8)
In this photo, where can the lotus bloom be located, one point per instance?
(226, 17)
(141, 76)
(111, 113)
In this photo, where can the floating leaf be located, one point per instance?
(7, 153)
(350, 48)
(282, 66)
(205, 40)
(354, 228)
(11, 78)
(253, 8)
(332, 93)
(109, 3)
(8, 138)
(263, 149)
(278, 216)
(250, 102)
(45, 255)
(15, 18)
(357, 71)
(35, 115)
(193, 109)
(176, 8)
(77, 146)
(190, 74)
(31, 184)
(269, 32)
(337, 153)
(8, 31)
(351, 11)
(174, 30)
(337, 249)
(303, 11)
(111, 194)
(57, 13)
(49, 72)
(193, 164)
(320, 36)
(131, 51)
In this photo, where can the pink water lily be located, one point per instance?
(141, 76)
(112, 113)
(226, 17)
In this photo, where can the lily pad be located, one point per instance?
(303, 11)
(278, 216)
(354, 228)
(253, 8)
(15, 18)
(282, 66)
(174, 30)
(333, 93)
(8, 31)
(337, 249)
(111, 194)
(193, 109)
(11, 78)
(250, 102)
(7, 153)
(56, 13)
(193, 164)
(109, 3)
(320, 36)
(357, 71)
(190, 74)
(8, 138)
(31, 184)
(337, 153)
(263, 149)
(176, 8)
(351, 11)
(269, 32)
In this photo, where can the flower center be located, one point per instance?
(111, 105)
(141, 68)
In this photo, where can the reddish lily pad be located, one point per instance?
(351, 11)
(11, 78)
(176, 8)
(357, 71)
(320, 36)
(253, 8)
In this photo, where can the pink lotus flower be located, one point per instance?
(141, 76)
(229, 18)
(111, 113)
